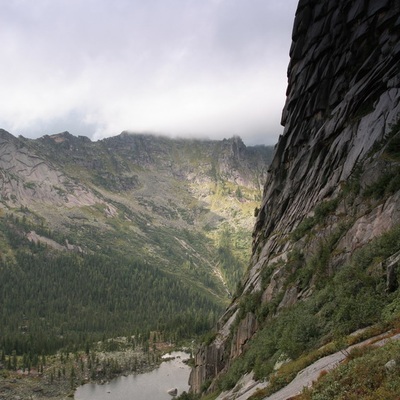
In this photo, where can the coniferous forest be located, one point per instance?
(53, 300)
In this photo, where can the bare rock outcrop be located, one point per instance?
(209, 361)
(26, 178)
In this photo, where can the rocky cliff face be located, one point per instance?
(334, 177)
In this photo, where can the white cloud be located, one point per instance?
(180, 67)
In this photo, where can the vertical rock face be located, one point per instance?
(342, 108)
(212, 361)
(343, 97)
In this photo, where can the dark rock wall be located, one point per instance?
(343, 97)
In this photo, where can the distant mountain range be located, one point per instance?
(185, 207)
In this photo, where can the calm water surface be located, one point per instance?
(149, 386)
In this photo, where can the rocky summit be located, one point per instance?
(326, 239)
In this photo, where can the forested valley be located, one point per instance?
(116, 251)
(56, 300)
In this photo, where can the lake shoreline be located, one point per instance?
(62, 374)
(171, 374)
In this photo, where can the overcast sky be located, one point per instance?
(197, 68)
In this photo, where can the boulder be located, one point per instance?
(173, 391)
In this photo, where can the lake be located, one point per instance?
(152, 385)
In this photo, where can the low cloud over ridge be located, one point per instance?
(212, 68)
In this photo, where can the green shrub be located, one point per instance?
(209, 337)
(249, 303)
(387, 184)
(321, 211)
(325, 208)
(393, 148)
(303, 228)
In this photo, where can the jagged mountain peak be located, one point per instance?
(6, 136)
(65, 138)
(62, 135)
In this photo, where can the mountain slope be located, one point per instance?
(326, 240)
(177, 213)
(154, 194)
